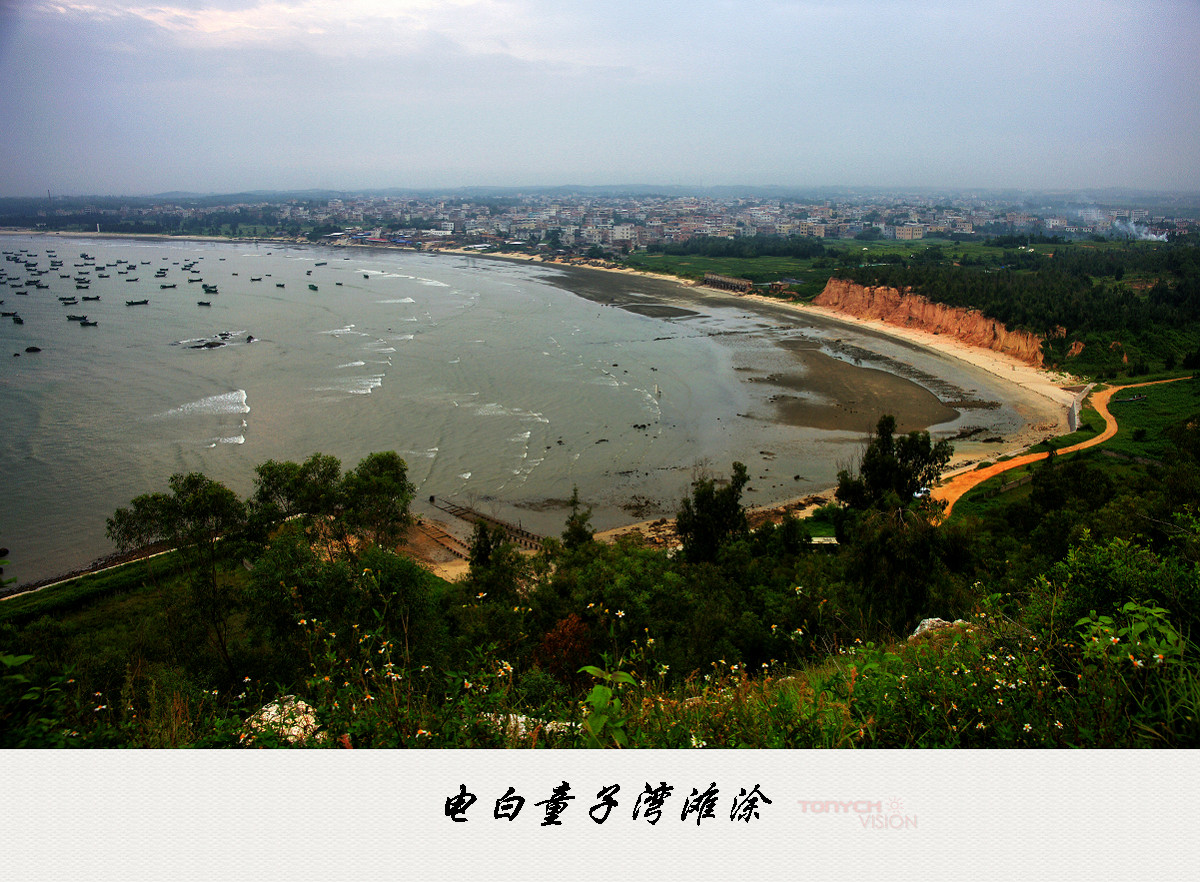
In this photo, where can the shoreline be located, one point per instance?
(1047, 385)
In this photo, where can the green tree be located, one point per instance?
(893, 467)
(197, 514)
(377, 496)
(712, 516)
(578, 531)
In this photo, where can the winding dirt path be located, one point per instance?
(954, 488)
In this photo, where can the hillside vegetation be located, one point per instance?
(1106, 309)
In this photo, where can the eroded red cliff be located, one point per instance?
(907, 310)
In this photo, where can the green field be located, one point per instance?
(760, 270)
(809, 275)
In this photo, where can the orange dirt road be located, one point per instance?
(954, 488)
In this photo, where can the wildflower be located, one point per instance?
(302, 622)
(466, 684)
(620, 614)
(649, 641)
(1057, 724)
(481, 595)
(590, 605)
(1000, 701)
(697, 743)
(1137, 662)
(980, 726)
(1114, 639)
(422, 732)
(1028, 727)
(1158, 658)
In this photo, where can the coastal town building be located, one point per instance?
(610, 222)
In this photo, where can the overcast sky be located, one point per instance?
(128, 97)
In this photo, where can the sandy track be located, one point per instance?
(953, 489)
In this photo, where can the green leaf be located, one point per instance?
(594, 671)
(624, 677)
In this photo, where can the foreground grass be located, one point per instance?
(987, 682)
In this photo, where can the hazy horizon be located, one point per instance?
(218, 96)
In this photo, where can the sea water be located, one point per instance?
(500, 385)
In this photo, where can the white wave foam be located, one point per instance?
(227, 402)
(465, 475)
(353, 386)
(430, 283)
(401, 300)
(429, 453)
(236, 439)
(351, 364)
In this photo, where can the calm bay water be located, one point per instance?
(498, 383)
